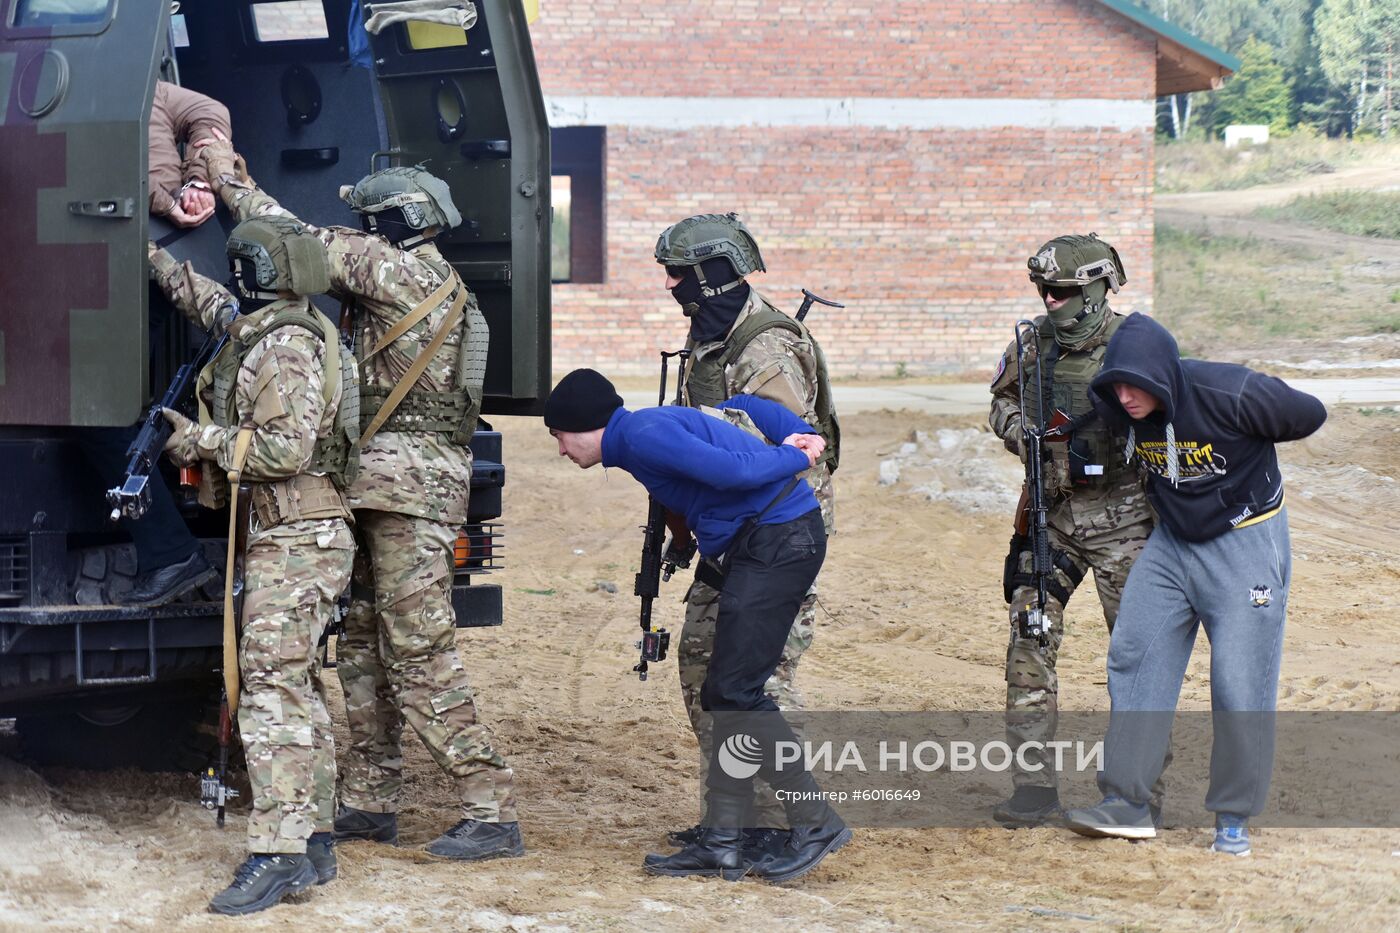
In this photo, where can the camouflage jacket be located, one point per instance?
(424, 475)
(780, 366)
(280, 386)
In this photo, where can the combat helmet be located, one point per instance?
(1077, 261)
(710, 236)
(400, 203)
(274, 253)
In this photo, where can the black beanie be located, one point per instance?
(583, 400)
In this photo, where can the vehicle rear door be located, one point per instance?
(469, 105)
(77, 77)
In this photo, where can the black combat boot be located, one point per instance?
(320, 848)
(262, 881)
(718, 850)
(362, 824)
(1029, 806)
(763, 842)
(167, 584)
(817, 831)
(475, 841)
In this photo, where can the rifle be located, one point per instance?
(132, 497)
(214, 791)
(659, 563)
(1031, 523)
(808, 298)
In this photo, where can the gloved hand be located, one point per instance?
(180, 445)
(221, 163)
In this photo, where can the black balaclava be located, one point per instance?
(712, 317)
(243, 283)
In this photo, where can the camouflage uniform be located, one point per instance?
(296, 568)
(397, 658)
(1099, 525)
(780, 366)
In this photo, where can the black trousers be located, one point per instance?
(770, 571)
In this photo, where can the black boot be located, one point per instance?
(167, 584)
(763, 843)
(817, 831)
(718, 850)
(362, 824)
(475, 841)
(1029, 806)
(320, 848)
(262, 881)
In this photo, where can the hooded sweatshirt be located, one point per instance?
(1209, 446)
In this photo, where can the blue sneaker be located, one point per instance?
(1115, 817)
(1231, 835)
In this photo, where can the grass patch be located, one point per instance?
(1357, 213)
(1225, 291)
(1197, 165)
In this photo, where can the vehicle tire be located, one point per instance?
(172, 732)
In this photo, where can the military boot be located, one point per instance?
(475, 841)
(817, 831)
(320, 848)
(262, 881)
(1029, 806)
(684, 837)
(362, 824)
(718, 852)
(763, 842)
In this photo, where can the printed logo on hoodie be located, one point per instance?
(1197, 460)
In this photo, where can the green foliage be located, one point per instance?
(1258, 93)
(1358, 44)
(1358, 213)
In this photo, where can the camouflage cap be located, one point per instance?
(710, 236)
(284, 255)
(1077, 260)
(425, 199)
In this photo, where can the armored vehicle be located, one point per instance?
(86, 342)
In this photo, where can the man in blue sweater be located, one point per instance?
(748, 507)
(1205, 434)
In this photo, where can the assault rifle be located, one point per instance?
(808, 298)
(132, 498)
(659, 562)
(1031, 523)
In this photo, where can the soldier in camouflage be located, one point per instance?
(1098, 512)
(276, 408)
(421, 341)
(740, 344)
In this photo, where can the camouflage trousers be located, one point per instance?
(398, 661)
(697, 643)
(294, 575)
(1101, 532)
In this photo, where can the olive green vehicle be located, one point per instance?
(86, 341)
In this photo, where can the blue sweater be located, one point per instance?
(716, 475)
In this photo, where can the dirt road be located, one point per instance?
(912, 619)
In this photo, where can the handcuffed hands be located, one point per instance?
(810, 444)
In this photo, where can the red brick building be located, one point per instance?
(901, 156)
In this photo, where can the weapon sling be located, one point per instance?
(232, 680)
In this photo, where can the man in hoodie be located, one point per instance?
(751, 511)
(1098, 514)
(741, 344)
(1205, 434)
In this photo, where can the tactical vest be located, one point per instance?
(1066, 385)
(454, 413)
(335, 456)
(706, 383)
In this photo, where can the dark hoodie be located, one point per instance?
(1209, 448)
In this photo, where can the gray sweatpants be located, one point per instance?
(1236, 585)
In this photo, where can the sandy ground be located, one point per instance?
(911, 618)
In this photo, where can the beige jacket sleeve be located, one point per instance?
(178, 115)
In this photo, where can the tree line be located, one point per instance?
(1329, 65)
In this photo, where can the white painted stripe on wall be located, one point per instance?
(890, 113)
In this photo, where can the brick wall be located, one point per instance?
(923, 232)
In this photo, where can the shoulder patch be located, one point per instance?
(1001, 368)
